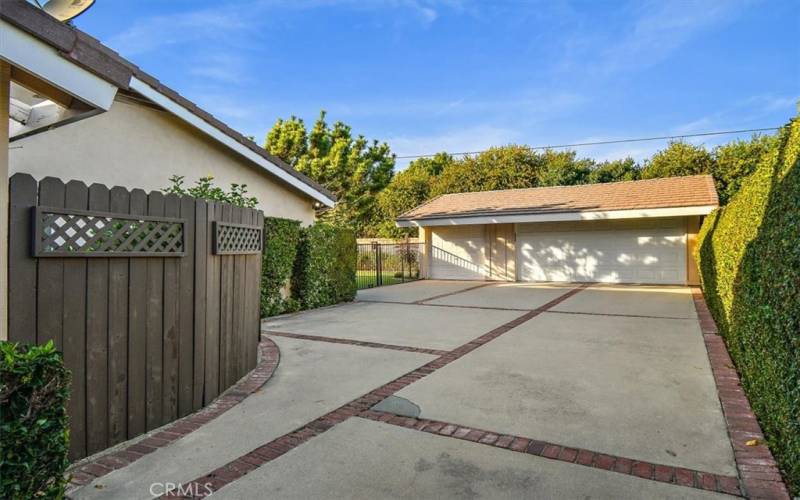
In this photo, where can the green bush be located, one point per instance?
(749, 258)
(324, 271)
(281, 237)
(34, 429)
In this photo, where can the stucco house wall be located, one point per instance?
(136, 145)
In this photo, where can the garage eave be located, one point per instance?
(556, 216)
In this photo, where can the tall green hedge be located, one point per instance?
(34, 435)
(749, 257)
(324, 271)
(281, 238)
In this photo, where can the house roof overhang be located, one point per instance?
(80, 65)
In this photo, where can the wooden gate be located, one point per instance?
(153, 299)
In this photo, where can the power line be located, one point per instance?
(600, 143)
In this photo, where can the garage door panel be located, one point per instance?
(621, 252)
(458, 253)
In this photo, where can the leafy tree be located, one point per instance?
(615, 171)
(288, 140)
(679, 158)
(506, 167)
(735, 161)
(353, 168)
(562, 168)
(407, 189)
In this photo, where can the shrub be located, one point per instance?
(34, 435)
(749, 258)
(205, 189)
(324, 271)
(281, 237)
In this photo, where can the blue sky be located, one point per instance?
(460, 75)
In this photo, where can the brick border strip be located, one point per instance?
(361, 343)
(489, 308)
(614, 315)
(443, 295)
(758, 471)
(239, 467)
(87, 471)
(646, 470)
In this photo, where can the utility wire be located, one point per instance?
(599, 143)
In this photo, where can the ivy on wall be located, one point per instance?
(749, 259)
(319, 261)
(281, 237)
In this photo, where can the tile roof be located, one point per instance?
(671, 192)
(88, 53)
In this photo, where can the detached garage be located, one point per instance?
(622, 232)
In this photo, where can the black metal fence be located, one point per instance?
(382, 264)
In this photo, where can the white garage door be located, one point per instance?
(458, 253)
(638, 251)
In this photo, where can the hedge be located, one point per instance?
(281, 238)
(34, 435)
(324, 271)
(749, 258)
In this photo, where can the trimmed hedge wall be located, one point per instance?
(281, 238)
(324, 271)
(34, 435)
(749, 258)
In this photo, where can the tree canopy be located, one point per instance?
(352, 168)
(370, 196)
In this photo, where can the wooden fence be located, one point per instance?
(153, 299)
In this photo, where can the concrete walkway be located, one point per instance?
(494, 391)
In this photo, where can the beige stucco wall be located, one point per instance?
(136, 146)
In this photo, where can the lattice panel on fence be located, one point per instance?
(63, 232)
(236, 239)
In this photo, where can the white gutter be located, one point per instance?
(36, 57)
(205, 127)
(560, 216)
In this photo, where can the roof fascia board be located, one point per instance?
(36, 57)
(205, 127)
(560, 216)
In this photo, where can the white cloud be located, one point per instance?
(154, 32)
(657, 30)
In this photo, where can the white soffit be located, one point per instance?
(202, 125)
(561, 216)
(36, 57)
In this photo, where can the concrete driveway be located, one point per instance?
(446, 389)
(620, 371)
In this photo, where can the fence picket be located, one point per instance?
(137, 332)
(186, 310)
(51, 276)
(22, 275)
(76, 195)
(97, 337)
(154, 387)
(119, 202)
(213, 368)
(202, 244)
(171, 315)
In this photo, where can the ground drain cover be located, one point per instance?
(398, 406)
